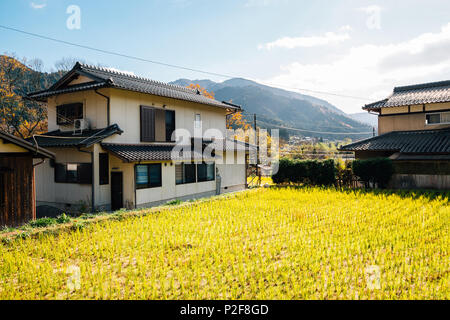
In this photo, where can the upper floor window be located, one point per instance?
(438, 118)
(170, 125)
(198, 121)
(157, 125)
(66, 114)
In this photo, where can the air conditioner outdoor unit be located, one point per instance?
(79, 125)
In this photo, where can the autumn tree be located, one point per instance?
(202, 90)
(18, 115)
(238, 121)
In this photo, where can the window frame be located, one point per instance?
(67, 120)
(173, 129)
(198, 123)
(80, 179)
(149, 184)
(183, 164)
(440, 118)
(206, 179)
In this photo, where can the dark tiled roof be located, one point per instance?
(37, 152)
(434, 92)
(163, 152)
(425, 141)
(140, 152)
(75, 88)
(65, 139)
(105, 77)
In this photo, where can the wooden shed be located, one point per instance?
(17, 186)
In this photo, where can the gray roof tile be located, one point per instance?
(105, 77)
(424, 141)
(435, 92)
(163, 152)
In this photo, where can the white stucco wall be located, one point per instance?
(94, 108)
(125, 111)
(47, 190)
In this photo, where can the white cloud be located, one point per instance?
(308, 42)
(38, 6)
(373, 70)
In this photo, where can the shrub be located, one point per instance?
(377, 171)
(42, 223)
(62, 219)
(322, 173)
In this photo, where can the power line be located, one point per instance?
(171, 65)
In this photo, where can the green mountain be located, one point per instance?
(281, 109)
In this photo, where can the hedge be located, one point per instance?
(312, 172)
(376, 171)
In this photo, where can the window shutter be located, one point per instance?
(104, 168)
(85, 173)
(147, 124)
(179, 173)
(60, 173)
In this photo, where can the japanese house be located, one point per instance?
(414, 127)
(18, 159)
(113, 134)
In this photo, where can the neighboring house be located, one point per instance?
(414, 127)
(112, 134)
(17, 195)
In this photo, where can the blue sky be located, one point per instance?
(357, 48)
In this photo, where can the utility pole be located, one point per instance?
(258, 171)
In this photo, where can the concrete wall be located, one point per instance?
(398, 118)
(232, 171)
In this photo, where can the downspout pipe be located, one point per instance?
(108, 107)
(93, 178)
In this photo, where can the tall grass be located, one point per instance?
(264, 244)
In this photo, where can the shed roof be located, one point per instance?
(67, 139)
(37, 152)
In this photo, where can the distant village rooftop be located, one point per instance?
(111, 78)
(433, 92)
